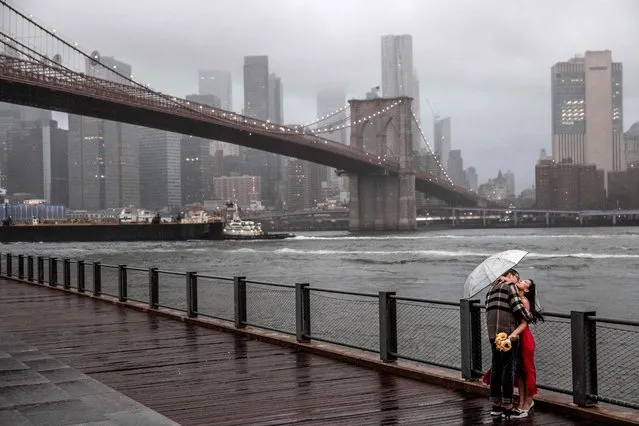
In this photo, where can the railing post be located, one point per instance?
(470, 322)
(191, 294)
(122, 283)
(97, 279)
(53, 271)
(40, 270)
(154, 290)
(239, 292)
(584, 358)
(81, 276)
(21, 266)
(0, 263)
(387, 326)
(9, 265)
(66, 272)
(303, 312)
(30, 268)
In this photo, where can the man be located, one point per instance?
(504, 312)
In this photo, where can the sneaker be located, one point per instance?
(497, 410)
(514, 413)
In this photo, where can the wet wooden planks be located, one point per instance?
(198, 376)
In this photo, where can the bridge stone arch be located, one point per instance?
(381, 201)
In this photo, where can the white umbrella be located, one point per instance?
(491, 269)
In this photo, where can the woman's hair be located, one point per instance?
(532, 299)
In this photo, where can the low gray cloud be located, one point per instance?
(484, 63)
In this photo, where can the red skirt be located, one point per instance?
(527, 363)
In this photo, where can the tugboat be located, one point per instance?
(238, 229)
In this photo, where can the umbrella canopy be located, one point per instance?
(491, 269)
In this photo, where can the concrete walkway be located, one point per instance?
(37, 389)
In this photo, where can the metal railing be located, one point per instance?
(594, 359)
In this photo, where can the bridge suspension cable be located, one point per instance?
(430, 150)
(327, 116)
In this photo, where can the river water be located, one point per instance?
(575, 268)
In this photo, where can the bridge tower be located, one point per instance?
(383, 201)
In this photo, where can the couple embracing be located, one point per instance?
(510, 308)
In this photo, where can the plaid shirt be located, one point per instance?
(504, 309)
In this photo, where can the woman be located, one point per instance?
(525, 373)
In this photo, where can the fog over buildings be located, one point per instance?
(485, 64)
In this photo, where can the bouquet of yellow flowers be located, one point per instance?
(502, 342)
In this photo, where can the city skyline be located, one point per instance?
(484, 99)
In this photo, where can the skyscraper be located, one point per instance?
(256, 87)
(442, 140)
(275, 99)
(399, 77)
(218, 83)
(397, 66)
(329, 101)
(196, 170)
(472, 178)
(104, 170)
(456, 168)
(510, 183)
(632, 146)
(160, 176)
(587, 111)
(257, 103)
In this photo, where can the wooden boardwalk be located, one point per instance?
(198, 376)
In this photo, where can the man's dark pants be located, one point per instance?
(502, 373)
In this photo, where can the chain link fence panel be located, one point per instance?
(215, 297)
(553, 354)
(137, 281)
(346, 319)
(270, 306)
(172, 290)
(617, 363)
(429, 332)
(109, 279)
(88, 276)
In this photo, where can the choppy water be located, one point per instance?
(590, 268)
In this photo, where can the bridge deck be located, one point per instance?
(198, 376)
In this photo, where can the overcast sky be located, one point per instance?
(484, 63)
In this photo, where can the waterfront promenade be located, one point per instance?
(195, 375)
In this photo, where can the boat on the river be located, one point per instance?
(238, 229)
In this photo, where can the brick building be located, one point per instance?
(623, 189)
(568, 186)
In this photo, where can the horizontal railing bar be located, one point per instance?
(555, 315)
(422, 361)
(263, 327)
(615, 401)
(554, 389)
(346, 345)
(614, 321)
(133, 268)
(418, 300)
(171, 307)
(179, 274)
(291, 287)
(109, 266)
(344, 292)
(202, 314)
(213, 277)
